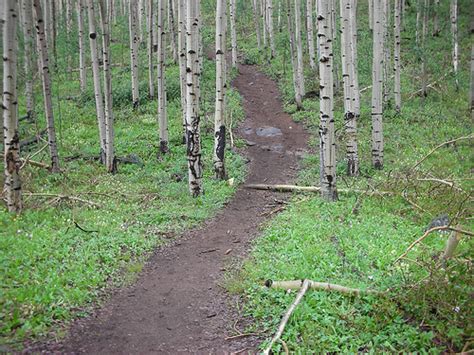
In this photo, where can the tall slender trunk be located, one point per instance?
(299, 48)
(436, 19)
(377, 85)
(371, 14)
(396, 55)
(151, 76)
(279, 22)
(472, 82)
(99, 103)
(110, 161)
(68, 36)
(327, 145)
(193, 132)
(221, 87)
(263, 14)
(352, 144)
(82, 53)
(182, 59)
(134, 43)
(424, 30)
(233, 32)
(310, 34)
(271, 33)
(11, 138)
(454, 32)
(336, 80)
(161, 87)
(28, 36)
(172, 31)
(48, 104)
(257, 24)
(387, 54)
(291, 32)
(418, 20)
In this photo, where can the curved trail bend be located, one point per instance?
(177, 305)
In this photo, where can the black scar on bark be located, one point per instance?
(93, 35)
(220, 149)
(378, 165)
(164, 147)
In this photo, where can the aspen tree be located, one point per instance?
(49, 29)
(46, 80)
(396, 55)
(161, 87)
(233, 33)
(299, 48)
(371, 14)
(263, 14)
(333, 5)
(291, 33)
(327, 143)
(68, 35)
(27, 26)
(193, 134)
(436, 19)
(257, 25)
(472, 82)
(271, 33)
(454, 33)
(110, 161)
(221, 87)
(182, 59)
(172, 31)
(424, 31)
(310, 34)
(99, 103)
(387, 56)
(354, 67)
(82, 53)
(11, 138)
(134, 43)
(151, 77)
(377, 85)
(140, 14)
(279, 23)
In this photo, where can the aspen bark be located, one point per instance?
(271, 33)
(182, 59)
(48, 104)
(161, 87)
(233, 32)
(377, 85)
(221, 87)
(298, 98)
(172, 31)
(263, 14)
(424, 31)
(387, 54)
(327, 143)
(134, 43)
(110, 161)
(28, 36)
(454, 32)
(396, 55)
(257, 24)
(310, 34)
(99, 103)
(472, 82)
(82, 53)
(193, 133)
(299, 48)
(11, 138)
(371, 14)
(151, 77)
(436, 19)
(355, 60)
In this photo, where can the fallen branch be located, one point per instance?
(59, 197)
(429, 85)
(290, 188)
(303, 288)
(296, 284)
(33, 163)
(440, 146)
(428, 232)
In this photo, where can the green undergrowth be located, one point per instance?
(354, 242)
(84, 230)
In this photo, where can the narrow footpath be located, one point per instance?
(177, 303)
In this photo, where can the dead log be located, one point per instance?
(291, 188)
(325, 286)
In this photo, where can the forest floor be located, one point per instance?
(178, 302)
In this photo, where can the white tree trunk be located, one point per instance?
(182, 59)
(221, 87)
(48, 104)
(310, 34)
(161, 87)
(257, 24)
(99, 103)
(436, 19)
(80, 8)
(472, 82)
(396, 55)
(172, 31)
(454, 32)
(110, 161)
(193, 133)
(151, 76)
(271, 33)
(134, 44)
(387, 53)
(377, 85)
(327, 144)
(263, 14)
(233, 32)
(299, 48)
(291, 33)
(28, 36)
(371, 14)
(11, 138)
(424, 31)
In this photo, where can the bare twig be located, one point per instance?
(33, 163)
(57, 198)
(304, 287)
(296, 284)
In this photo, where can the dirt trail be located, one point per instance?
(177, 304)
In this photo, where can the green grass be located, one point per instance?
(58, 258)
(427, 308)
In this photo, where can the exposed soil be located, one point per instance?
(178, 303)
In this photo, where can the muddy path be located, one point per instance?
(177, 303)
